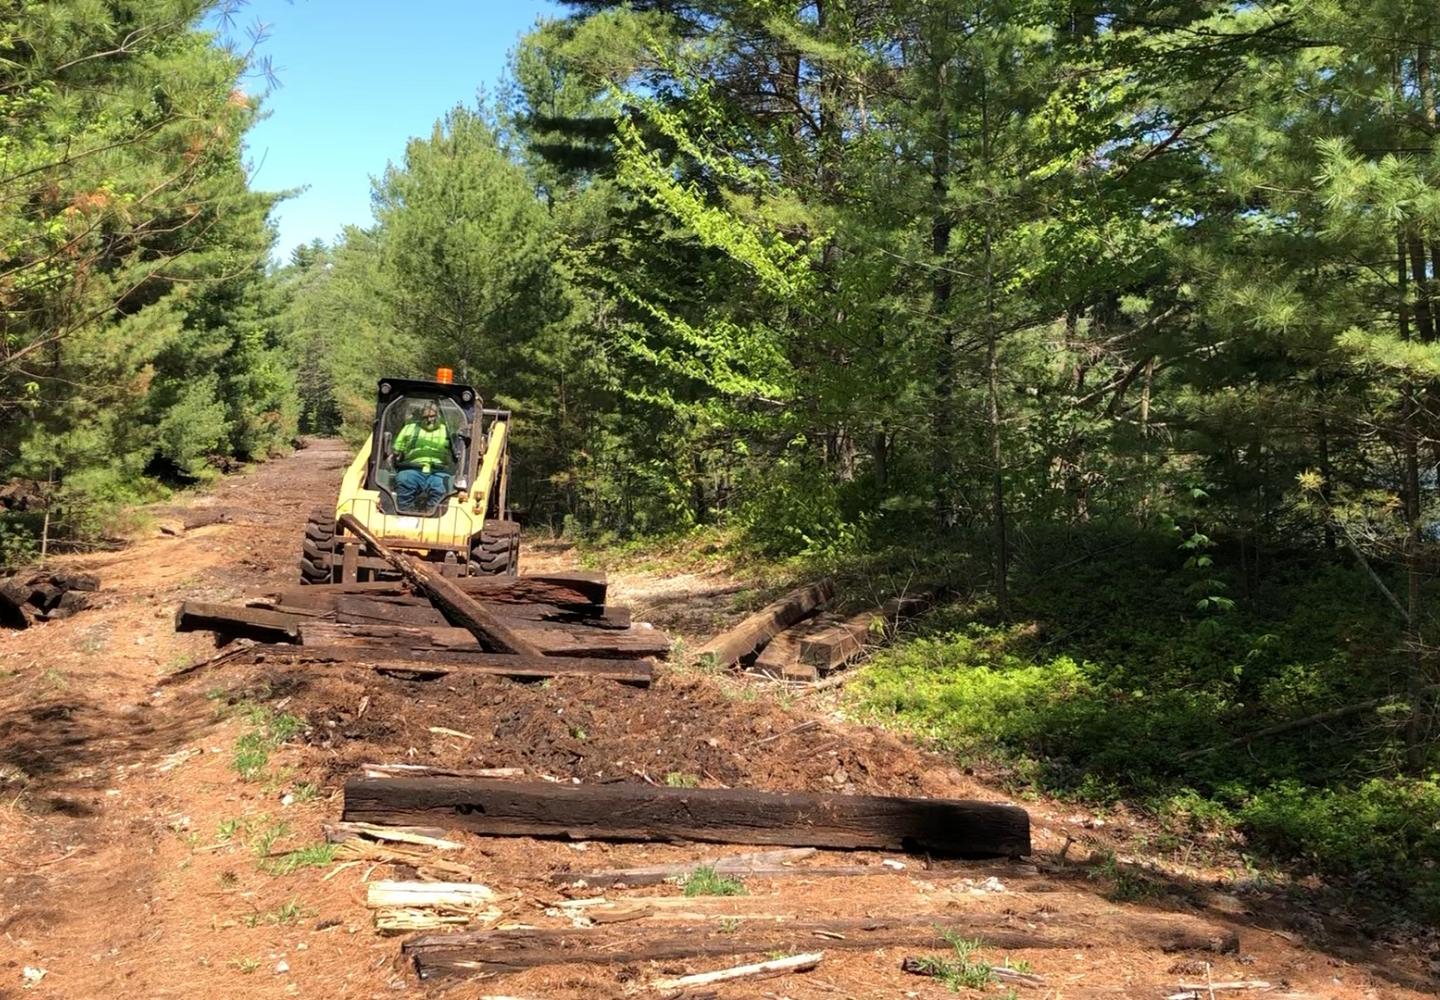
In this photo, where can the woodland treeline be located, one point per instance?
(1131, 308)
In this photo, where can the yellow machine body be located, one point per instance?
(455, 527)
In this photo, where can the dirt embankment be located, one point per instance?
(135, 860)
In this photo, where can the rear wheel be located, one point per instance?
(497, 551)
(318, 546)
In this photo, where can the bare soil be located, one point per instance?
(130, 847)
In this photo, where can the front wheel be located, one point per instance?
(497, 551)
(318, 547)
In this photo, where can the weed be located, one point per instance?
(681, 779)
(228, 879)
(285, 913)
(1126, 884)
(314, 856)
(227, 830)
(579, 733)
(305, 791)
(268, 731)
(266, 835)
(729, 925)
(960, 969)
(245, 965)
(705, 881)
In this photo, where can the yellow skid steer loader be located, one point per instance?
(431, 481)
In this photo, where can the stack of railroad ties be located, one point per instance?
(428, 625)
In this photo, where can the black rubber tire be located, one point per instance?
(318, 543)
(495, 554)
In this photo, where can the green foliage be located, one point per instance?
(960, 969)
(137, 341)
(313, 856)
(704, 881)
(268, 731)
(1384, 832)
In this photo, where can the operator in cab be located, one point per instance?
(422, 457)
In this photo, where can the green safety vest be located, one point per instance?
(423, 447)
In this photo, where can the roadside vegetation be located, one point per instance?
(1126, 328)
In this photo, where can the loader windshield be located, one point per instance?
(422, 454)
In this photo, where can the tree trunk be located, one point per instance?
(1418, 724)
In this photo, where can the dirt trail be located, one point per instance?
(132, 855)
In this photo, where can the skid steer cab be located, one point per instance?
(430, 481)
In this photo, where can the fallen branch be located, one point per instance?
(776, 967)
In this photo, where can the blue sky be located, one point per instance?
(356, 79)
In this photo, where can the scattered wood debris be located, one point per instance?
(41, 597)
(626, 811)
(499, 951)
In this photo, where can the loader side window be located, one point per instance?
(422, 454)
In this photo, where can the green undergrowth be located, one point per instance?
(705, 881)
(1110, 681)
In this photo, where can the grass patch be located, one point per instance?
(960, 969)
(313, 856)
(268, 730)
(286, 913)
(705, 881)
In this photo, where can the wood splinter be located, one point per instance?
(776, 967)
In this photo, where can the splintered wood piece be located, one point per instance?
(494, 952)
(417, 895)
(395, 920)
(727, 815)
(420, 770)
(634, 643)
(775, 967)
(429, 663)
(734, 864)
(423, 862)
(457, 606)
(730, 647)
(422, 836)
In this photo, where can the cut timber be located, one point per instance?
(444, 662)
(231, 620)
(834, 646)
(731, 647)
(416, 895)
(781, 655)
(420, 770)
(459, 607)
(646, 812)
(759, 970)
(735, 864)
(634, 643)
(501, 951)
